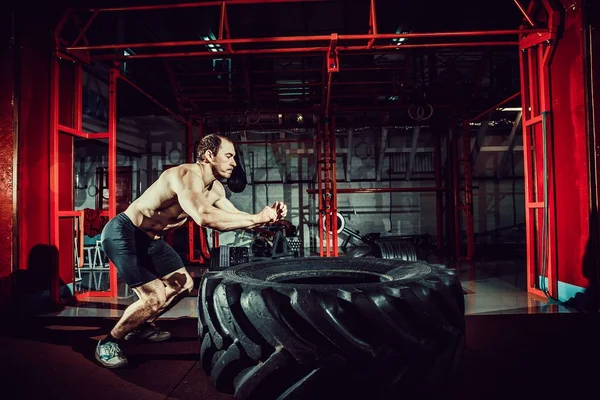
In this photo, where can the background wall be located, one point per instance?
(498, 204)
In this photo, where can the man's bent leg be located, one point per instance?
(151, 298)
(177, 285)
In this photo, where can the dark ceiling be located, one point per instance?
(389, 81)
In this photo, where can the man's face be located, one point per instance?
(223, 162)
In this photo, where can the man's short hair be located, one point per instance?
(210, 142)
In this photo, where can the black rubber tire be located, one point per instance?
(327, 328)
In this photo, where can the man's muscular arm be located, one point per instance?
(189, 186)
(224, 204)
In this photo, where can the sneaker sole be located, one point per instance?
(109, 365)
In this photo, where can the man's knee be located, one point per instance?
(189, 283)
(180, 282)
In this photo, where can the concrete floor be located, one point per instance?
(518, 345)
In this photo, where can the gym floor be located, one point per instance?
(517, 345)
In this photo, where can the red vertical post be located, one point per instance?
(54, 170)
(455, 191)
(189, 139)
(467, 205)
(334, 223)
(540, 208)
(320, 187)
(327, 188)
(215, 238)
(112, 160)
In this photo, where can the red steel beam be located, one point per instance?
(307, 38)
(197, 5)
(334, 191)
(282, 85)
(328, 93)
(290, 71)
(84, 29)
(301, 50)
(112, 161)
(491, 109)
(352, 69)
(386, 190)
(224, 26)
(524, 12)
(372, 23)
(54, 183)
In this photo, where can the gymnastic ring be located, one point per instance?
(341, 223)
(89, 190)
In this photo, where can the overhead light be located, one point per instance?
(511, 109)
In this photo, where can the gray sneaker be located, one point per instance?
(109, 354)
(148, 333)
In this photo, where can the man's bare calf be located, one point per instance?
(154, 299)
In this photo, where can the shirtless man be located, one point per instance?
(133, 240)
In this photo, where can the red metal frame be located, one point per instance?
(537, 106)
(326, 45)
(58, 129)
(327, 189)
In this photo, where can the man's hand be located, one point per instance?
(267, 215)
(281, 209)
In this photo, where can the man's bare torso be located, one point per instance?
(158, 210)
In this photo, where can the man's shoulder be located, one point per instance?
(181, 170)
(182, 174)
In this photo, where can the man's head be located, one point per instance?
(219, 152)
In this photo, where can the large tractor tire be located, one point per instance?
(332, 328)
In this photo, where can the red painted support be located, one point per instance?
(114, 75)
(66, 123)
(54, 186)
(224, 26)
(327, 189)
(334, 190)
(303, 39)
(466, 205)
(540, 207)
(372, 23)
(320, 203)
(453, 153)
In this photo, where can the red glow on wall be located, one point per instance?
(6, 149)
(570, 147)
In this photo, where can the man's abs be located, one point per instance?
(156, 222)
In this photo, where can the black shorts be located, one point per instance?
(138, 258)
